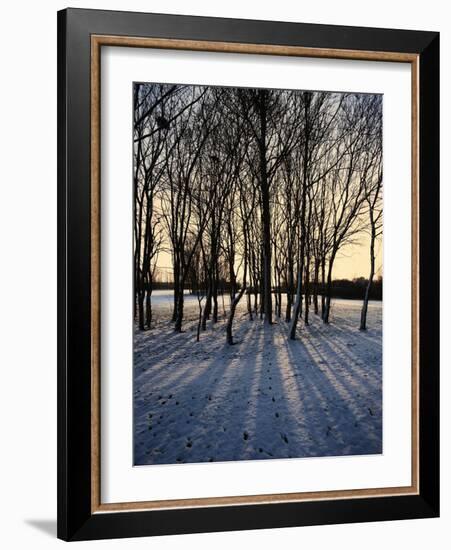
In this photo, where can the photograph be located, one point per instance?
(258, 273)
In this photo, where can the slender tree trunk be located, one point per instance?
(223, 303)
(215, 298)
(315, 286)
(148, 307)
(323, 287)
(199, 320)
(329, 288)
(233, 305)
(290, 284)
(297, 307)
(266, 213)
(370, 279)
(206, 309)
(141, 297)
(180, 305)
(249, 305)
(176, 289)
(307, 291)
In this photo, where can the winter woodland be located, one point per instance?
(245, 201)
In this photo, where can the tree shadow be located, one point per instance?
(196, 397)
(266, 397)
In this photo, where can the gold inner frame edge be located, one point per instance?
(97, 41)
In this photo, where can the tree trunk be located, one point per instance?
(199, 321)
(148, 308)
(266, 213)
(229, 335)
(207, 309)
(215, 299)
(290, 284)
(141, 296)
(297, 307)
(298, 304)
(315, 286)
(307, 291)
(180, 305)
(370, 280)
(329, 288)
(249, 306)
(176, 291)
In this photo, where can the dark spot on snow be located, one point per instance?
(270, 388)
(170, 396)
(260, 450)
(273, 400)
(277, 415)
(245, 436)
(177, 403)
(370, 411)
(191, 414)
(189, 444)
(284, 437)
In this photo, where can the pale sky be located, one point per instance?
(352, 261)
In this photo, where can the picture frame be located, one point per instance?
(81, 35)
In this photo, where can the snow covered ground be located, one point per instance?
(265, 397)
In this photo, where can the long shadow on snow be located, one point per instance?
(201, 387)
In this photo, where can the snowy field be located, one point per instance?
(264, 398)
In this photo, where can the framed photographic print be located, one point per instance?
(248, 274)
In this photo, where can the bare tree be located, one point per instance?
(373, 191)
(348, 182)
(152, 104)
(246, 210)
(183, 187)
(319, 113)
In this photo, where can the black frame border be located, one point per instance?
(75, 520)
